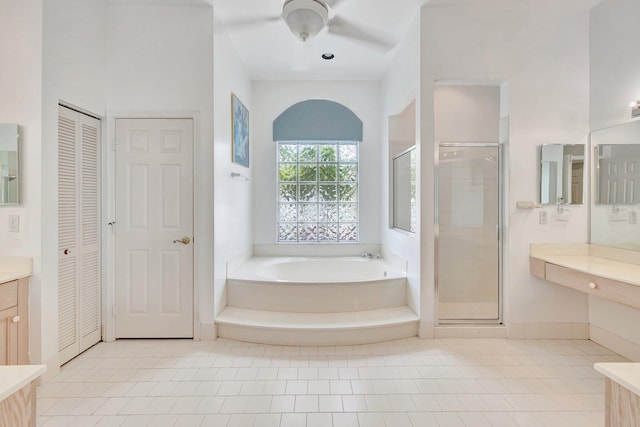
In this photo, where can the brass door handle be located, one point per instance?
(184, 241)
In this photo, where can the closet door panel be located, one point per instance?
(67, 234)
(89, 292)
(79, 286)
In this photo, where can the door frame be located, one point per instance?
(108, 211)
(500, 231)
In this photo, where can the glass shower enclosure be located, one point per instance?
(468, 233)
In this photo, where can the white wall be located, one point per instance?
(21, 89)
(270, 99)
(160, 61)
(233, 196)
(467, 113)
(74, 72)
(615, 82)
(400, 88)
(541, 48)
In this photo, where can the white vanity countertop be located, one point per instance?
(581, 257)
(12, 268)
(13, 378)
(625, 374)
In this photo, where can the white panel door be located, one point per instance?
(154, 228)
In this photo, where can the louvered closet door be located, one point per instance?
(78, 232)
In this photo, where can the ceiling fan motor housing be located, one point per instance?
(305, 18)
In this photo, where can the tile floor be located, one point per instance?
(412, 382)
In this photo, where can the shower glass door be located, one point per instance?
(468, 231)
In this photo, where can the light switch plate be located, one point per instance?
(14, 223)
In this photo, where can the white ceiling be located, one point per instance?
(271, 52)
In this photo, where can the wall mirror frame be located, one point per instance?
(562, 168)
(404, 190)
(402, 170)
(9, 165)
(615, 184)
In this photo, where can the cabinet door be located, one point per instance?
(9, 336)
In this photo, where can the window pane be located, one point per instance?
(328, 153)
(287, 232)
(288, 212)
(329, 212)
(349, 173)
(348, 232)
(328, 173)
(288, 153)
(308, 173)
(328, 232)
(308, 193)
(308, 153)
(348, 212)
(308, 232)
(348, 153)
(328, 193)
(287, 173)
(308, 212)
(288, 192)
(348, 193)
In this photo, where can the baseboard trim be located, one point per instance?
(613, 342)
(208, 332)
(471, 331)
(548, 330)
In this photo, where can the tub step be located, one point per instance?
(316, 329)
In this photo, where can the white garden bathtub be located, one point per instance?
(316, 270)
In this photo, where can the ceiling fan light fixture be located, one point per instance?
(305, 18)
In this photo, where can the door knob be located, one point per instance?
(15, 319)
(184, 241)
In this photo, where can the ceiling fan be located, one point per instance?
(306, 18)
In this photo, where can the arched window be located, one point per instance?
(317, 176)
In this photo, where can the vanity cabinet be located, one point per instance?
(14, 317)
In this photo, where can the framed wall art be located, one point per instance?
(239, 132)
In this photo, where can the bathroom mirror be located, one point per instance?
(561, 174)
(617, 174)
(402, 173)
(404, 191)
(615, 183)
(9, 174)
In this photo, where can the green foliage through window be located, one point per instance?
(318, 192)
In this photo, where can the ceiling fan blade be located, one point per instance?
(343, 28)
(250, 22)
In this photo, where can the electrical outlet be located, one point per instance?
(544, 217)
(633, 217)
(14, 223)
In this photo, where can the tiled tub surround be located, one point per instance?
(605, 272)
(410, 382)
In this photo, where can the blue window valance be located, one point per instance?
(317, 120)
